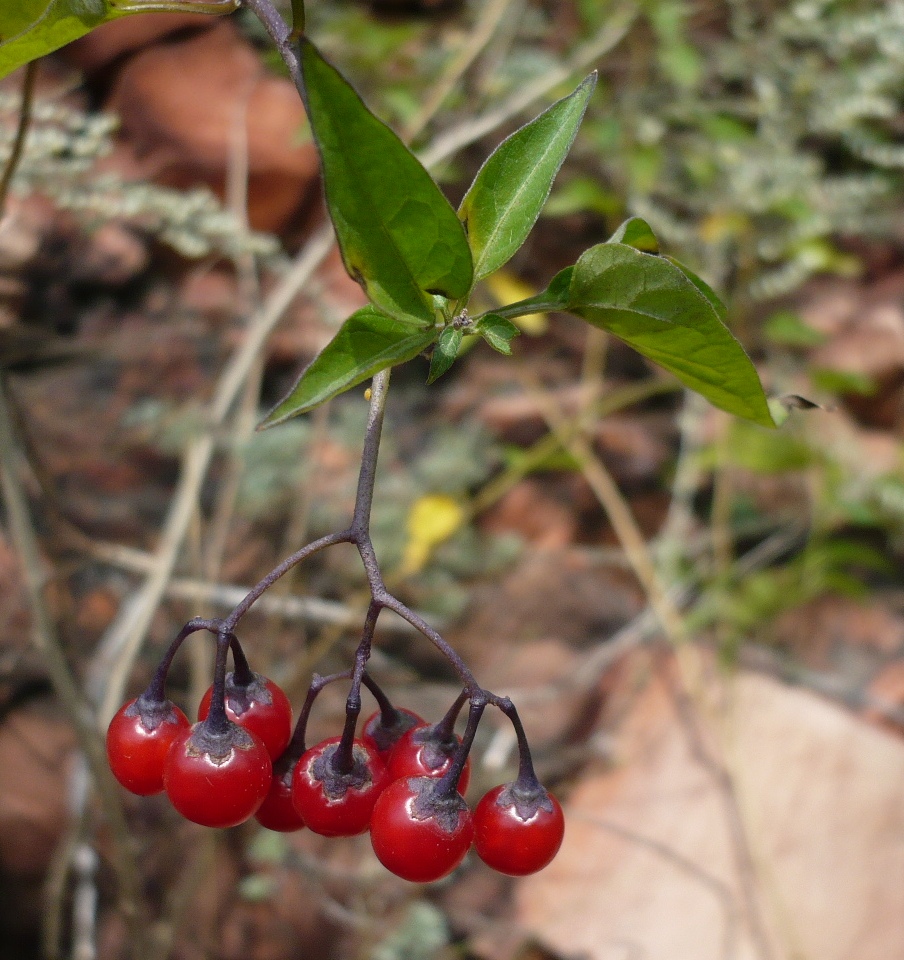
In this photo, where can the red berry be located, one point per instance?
(277, 812)
(421, 752)
(138, 739)
(518, 832)
(382, 738)
(418, 834)
(217, 779)
(334, 803)
(260, 706)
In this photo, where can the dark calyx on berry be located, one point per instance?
(335, 782)
(431, 803)
(525, 798)
(218, 742)
(437, 749)
(241, 696)
(153, 713)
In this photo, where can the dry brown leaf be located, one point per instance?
(649, 867)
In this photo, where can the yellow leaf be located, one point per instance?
(432, 519)
(506, 288)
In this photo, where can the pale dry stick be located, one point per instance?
(46, 641)
(225, 596)
(456, 138)
(550, 444)
(477, 39)
(623, 523)
(84, 902)
(202, 859)
(670, 547)
(121, 642)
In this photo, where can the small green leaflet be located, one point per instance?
(399, 236)
(31, 28)
(498, 332)
(369, 341)
(656, 308)
(509, 191)
(445, 351)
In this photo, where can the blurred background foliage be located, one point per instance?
(764, 143)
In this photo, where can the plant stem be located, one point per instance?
(156, 689)
(15, 156)
(526, 775)
(448, 783)
(217, 721)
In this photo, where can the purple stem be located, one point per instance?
(296, 746)
(156, 689)
(217, 721)
(448, 783)
(527, 778)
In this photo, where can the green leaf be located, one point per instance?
(498, 332)
(369, 341)
(31, 28)
(636, 233)
(554, 297)
(655, 308)
(506, 197)
(703, 287)
(399, 236)
(445, 352)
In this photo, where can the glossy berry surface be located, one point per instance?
(138, 741)
(260, 707)
(517, 837)
(217, 780)
(332, 803)
(383, 738)
(418, 836)
(421, 753)
(277, 812)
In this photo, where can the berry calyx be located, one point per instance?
(382, 733)
(138, 740)
(427, 751)
(259, 706)
(518, 828)
(217, 776)
(420, 832)
(335, 802)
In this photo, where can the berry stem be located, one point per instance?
(217, 720)
(527, 779)
(297, 745)
(389, 716)
(448, 783)
(445, 728)
(242, 674)
(343, 759)
(156, 689)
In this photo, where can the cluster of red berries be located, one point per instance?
(402, 780)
